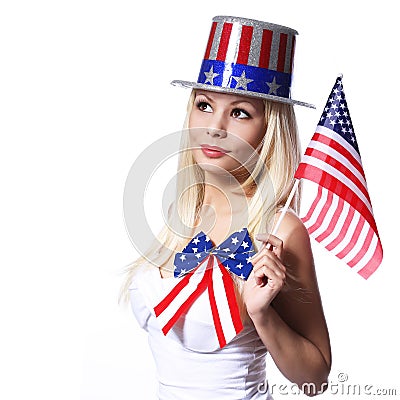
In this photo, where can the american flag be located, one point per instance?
(341, 216)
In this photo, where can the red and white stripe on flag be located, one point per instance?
(340, 217)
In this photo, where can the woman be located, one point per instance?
(237, 161)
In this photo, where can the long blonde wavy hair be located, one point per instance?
(270, 183)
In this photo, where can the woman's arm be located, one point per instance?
(289, 318)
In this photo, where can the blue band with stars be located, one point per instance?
(245, 77)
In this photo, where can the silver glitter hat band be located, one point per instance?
(248, 57)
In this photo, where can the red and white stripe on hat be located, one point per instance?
(251, 43)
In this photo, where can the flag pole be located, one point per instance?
(284, 210)
(286, 206)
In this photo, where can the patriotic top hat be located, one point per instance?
(248, 57)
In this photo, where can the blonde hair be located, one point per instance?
(270, 183)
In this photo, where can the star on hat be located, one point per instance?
(242, 81)
(273, 87)
(210, 75)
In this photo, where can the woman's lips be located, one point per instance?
(213, 151)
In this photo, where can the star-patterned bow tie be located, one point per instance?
(232, 255)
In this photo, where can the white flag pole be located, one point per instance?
(286, 206)
(284, 210)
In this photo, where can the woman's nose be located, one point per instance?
(213, 132)
(217, 127)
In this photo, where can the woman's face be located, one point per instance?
(225, 130)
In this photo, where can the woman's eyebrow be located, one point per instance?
(243, 101)
(232, 103)
(203, 94)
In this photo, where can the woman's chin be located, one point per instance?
(214, 168)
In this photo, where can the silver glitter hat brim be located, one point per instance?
(195, 85)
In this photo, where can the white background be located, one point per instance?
(84, 88)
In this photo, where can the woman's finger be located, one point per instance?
(274, 264)
(264, 253)
(273, 240)
(267, 274)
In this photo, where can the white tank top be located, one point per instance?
(190, 365)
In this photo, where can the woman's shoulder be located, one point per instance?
(293, 233)
(291, 226)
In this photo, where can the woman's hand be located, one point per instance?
(267, 277)
(293, 331)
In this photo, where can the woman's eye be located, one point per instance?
(203, 106)
(240, 114)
